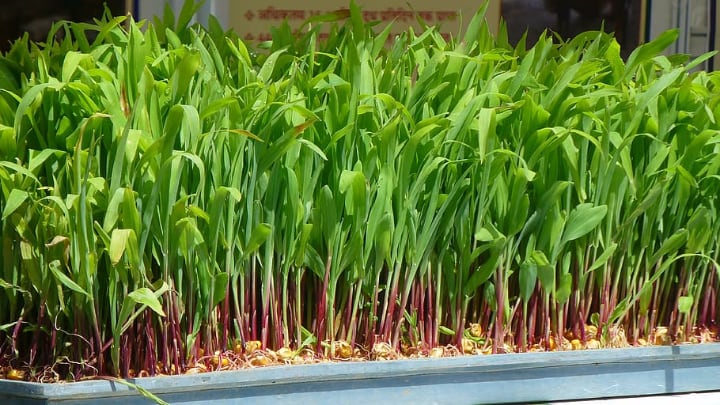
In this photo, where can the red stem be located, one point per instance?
(531, 317)
(431, 333)
(499, 336)
(322, 305)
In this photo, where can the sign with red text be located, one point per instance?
(252, 20)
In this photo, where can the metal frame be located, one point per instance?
(695, 39)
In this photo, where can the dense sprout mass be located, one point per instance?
(169, 194)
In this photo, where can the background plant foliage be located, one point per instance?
(166, 191)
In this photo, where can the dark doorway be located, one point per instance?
(568, 18)
(37, 16)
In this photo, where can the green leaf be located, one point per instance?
(699, 230)
(685, 304)
(604, 257)
(188, 10)
(55, 268)
(582, 219)
(352, 252)
(327, 212)
(313, 148)
(564, 289)
(188, 235)
(479, 276)
(646, 293)
(71, 63)
(486, 131)
(528, 278)
(519, 201)
(183, 75)
(39, 159)
(647, 51)
(478, 25)
(268, 67)
(240, 51)
(700, 59)
(619, 311)
(259, 235)
(220, 284)
(484, 235)
(352, 184)
(145, 296)
(118, 242)
(126, 311)
(16, 199)
(383, 235)
(671, 246)
(650, 199)
(545, 271)
(546, 201)
(490, 296)
(140, 389)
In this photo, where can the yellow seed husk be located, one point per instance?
(217, 360)
(591, 331)
(437, 352)
(618, 339)
(285, 353)
(342, 349)
(553, 344)
(196, 370)
(252, 345)
(15, 374)
(408, 350)
(260, 360)
(592, 344)
(576, 345)
(680, 335)
(468, 346)
(272, 355)
(382, 351)
(475, 330)
(662, 338)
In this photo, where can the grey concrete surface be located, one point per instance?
(700, 398)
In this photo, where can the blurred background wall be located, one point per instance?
(36, 16)
(632, 21)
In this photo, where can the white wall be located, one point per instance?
(219, 8)
(691, 17)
